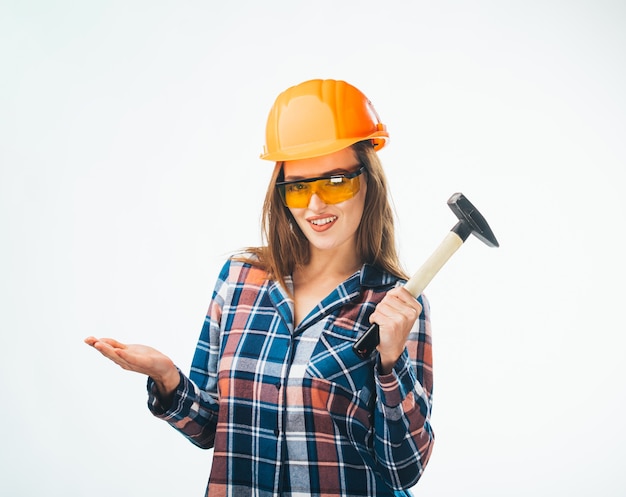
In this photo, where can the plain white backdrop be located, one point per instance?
(129, 141)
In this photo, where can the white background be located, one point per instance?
(129, 140)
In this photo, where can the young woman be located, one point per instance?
(275, 387)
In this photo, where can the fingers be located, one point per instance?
(397, 306)
(106, 349)
(111, 349)
(113, 343)
(395, 315)
(401, 295)
(104, 342)
(134, 357)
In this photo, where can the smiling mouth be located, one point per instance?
(323, 221)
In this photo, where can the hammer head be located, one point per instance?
(470, 221)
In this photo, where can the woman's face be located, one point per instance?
(328, 226)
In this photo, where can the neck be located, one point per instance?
(333, 264)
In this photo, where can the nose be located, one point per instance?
(316, 203)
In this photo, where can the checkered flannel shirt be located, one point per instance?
(291, 410)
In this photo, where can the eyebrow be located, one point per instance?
(332, 172)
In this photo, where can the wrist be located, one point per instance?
(386, 363)
(387, 358)
(167, 383)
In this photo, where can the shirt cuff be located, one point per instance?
(390, 390)
(164, 408)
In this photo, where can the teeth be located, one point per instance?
(326, 220)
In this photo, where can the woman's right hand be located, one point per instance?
(141, 359)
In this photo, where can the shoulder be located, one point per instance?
(243, 268)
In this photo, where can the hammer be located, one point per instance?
(471, 222)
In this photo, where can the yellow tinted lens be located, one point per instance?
(338, 189)
(297, 195)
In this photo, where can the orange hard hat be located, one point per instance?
(319, 117)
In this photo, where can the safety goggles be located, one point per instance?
(330, 189)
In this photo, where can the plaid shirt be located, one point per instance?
(291, 410)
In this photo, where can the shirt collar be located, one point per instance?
(372, 277)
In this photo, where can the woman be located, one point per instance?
(275, 387)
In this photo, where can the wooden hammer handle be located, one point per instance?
(422, 277)
(366, 344)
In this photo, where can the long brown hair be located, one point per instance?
(286, 246)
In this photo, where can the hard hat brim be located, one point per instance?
(310, 150)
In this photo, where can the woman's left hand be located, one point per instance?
(395, 315)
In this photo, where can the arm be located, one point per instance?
(190, 405)
(172, 396)
(193, 408)
(403, 437)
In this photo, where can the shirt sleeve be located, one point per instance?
(404, 438)
(193, 410)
